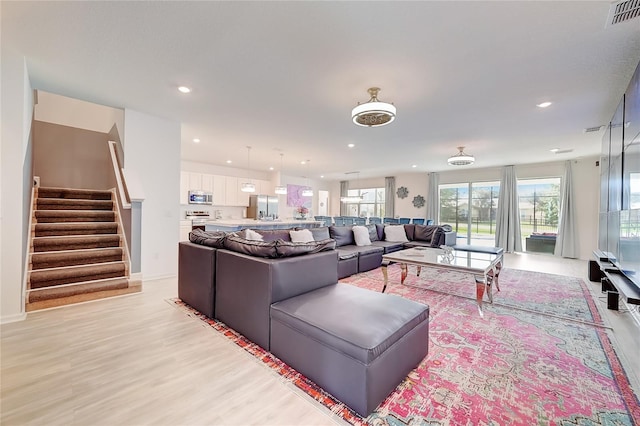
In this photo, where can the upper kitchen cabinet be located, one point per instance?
(184, 188)
(219, 190)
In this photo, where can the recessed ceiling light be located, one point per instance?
(554, 149)
(414, 165)
(351, 145)
(543, 104)
(303, 162)
(321, 176)
(271, 168)
(196, 140)
(228, 161)
(184, 89)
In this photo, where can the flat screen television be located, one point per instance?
(628, 254)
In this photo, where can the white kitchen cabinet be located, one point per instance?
(206, 182)
(219, 190)
(231, 191)
(195, 181)
(265, 187)
(243, 197)
(184, 188)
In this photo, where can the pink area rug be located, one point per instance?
(540, 356)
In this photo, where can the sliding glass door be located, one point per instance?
(470, 209)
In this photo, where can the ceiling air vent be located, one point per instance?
(623, 11)
(596, 128)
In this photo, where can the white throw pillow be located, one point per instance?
(252, 235)
(395, 233)
(301, 236)
(361, 235)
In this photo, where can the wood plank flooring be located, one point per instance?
(137, 360)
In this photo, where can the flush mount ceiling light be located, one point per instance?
(373, 113)
(543, 104)
(280, 189)
(184, 89)
(461, 159)
(248, 186)
(307, 192)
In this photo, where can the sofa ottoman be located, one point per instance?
(356, 344)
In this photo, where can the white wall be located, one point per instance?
(16, 112)
(152, 152)
(65, 111)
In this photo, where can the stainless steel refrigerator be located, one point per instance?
(262, 207)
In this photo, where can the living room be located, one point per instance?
(158, 134)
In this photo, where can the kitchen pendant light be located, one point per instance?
(248, 186)
(281, 189)
(307, 192)
(352, 198)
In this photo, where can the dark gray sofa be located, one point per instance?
(357, 344)
(354, 259)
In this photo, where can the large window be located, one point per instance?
(539, 202)
(372, 203)
(470, 209)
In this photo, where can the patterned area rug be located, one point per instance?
(539, 356)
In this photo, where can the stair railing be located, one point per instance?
(130, 212)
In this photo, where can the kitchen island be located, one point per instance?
(231, 225)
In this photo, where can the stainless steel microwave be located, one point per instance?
(200, 197)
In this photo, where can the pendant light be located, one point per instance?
(281, 189)
(248, 186)
(307, 192)
(352, 198)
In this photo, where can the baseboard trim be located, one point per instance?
(13, 318)
(160, 277)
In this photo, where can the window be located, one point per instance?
(539, 202)
(372, 203)
(470, 209)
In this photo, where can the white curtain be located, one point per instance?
(567, 239)
(508, 215)
(344, 191)
(389, 196)
(433, 198)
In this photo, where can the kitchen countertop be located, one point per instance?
(237, 224)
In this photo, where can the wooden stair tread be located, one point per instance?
(72, 274)
(55, 259)
(91, 194)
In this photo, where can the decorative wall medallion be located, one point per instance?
(402, 192)
(418, 201)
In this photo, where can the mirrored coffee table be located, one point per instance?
(482, 266)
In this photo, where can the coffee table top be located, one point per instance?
(461, 260)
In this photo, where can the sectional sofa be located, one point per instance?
(356, 344)
(364, 254)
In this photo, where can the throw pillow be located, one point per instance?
(321, 233)
(361, 235)
(373, 232)
(252, 235)
(395, 233)
(301, 236)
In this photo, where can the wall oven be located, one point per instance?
(200, 197)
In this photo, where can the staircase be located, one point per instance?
(77, 250)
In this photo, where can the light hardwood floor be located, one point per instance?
(137, 360)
